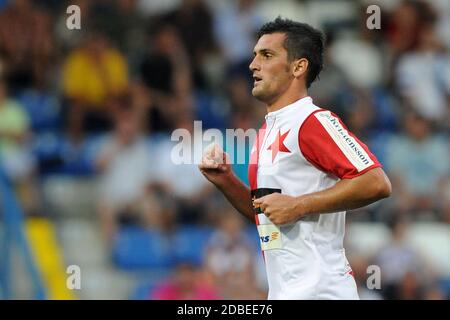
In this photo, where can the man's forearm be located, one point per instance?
(347, 194)
(239, 196)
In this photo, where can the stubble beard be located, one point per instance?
(260, 94)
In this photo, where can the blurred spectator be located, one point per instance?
(157, 7)
(91, 75)
(179, 176)
(240, 97)
(26, 41)
(142, 102)
(359, 266)
(413, 160)
(127, 33)
(125, 165)
(358, 57)
(412, 287)
(194, 23)
(167, 73)
(15, 154)
(229, 256)
(235, 26)
(404, 24)
(443, 20)
(423, 77)
(14, 128)
(187, 283)
(333, 83)
(360, 113)
(401, 264)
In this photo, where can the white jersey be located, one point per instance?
(299, 150)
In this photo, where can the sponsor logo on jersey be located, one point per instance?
(354, 152)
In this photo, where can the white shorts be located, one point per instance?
(322, 286)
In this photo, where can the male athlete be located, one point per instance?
(306, 170)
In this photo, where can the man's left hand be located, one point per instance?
(280, 208)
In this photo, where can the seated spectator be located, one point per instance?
(124, 25)
(235, 25)
(193, 22)
(230, 257)
(15, 156)
(423, 77)
(333, 84)
(91, 75)
(412, 159)
(27, 43)
(404, 23)
(178, 174)
(125, 167)
(166, 71)
(365, 71)
(187, 283)
(401, 265)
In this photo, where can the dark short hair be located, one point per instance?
(302, 41)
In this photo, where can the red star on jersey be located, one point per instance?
(278, 144)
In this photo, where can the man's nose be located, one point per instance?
(253, 65)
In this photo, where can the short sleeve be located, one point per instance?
(327, 143)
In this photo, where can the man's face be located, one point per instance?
(270, 67)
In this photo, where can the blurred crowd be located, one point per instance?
(102, 102)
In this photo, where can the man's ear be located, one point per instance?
(300, 67)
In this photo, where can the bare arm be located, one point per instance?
(238, 194)
(347, 194)
(216, 168)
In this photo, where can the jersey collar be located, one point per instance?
(289, 108)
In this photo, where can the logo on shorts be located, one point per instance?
(273, 237)
(270, 237)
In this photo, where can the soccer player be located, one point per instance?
(306, 170)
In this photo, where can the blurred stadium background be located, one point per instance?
(85, 123)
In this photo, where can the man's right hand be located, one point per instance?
(215, 165)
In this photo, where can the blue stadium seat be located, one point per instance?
(57, 155)
(253, 237)
(210, 111)
(445, 287)
(189, 243)
(143, 291)
(43, 109)
(137, 248)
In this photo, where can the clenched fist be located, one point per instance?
(215, 165)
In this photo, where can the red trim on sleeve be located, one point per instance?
(319, 148)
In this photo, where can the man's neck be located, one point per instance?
(285, 100)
